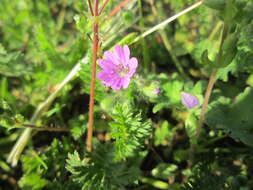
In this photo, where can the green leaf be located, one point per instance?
(160, 106)
(236, 118)
(172, 91)
(129, 131)
(164, 134)
(32, 182)
(2, 50)
(99, 171)
(230, 11)
(205, 59)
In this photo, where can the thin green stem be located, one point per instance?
(208, 93)
(211, 83)
(167, 21)
(42, 108)
(145, 53)
(167, 43)
(172, 55)
(43, 128)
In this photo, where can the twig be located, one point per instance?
(104, 5)
(93, 76)
(118, 8)
(44, 128)
(23, 139)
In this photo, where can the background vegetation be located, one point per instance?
(143, 140)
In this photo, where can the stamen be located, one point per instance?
(122, 71)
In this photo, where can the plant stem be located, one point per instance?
(167, 21)
(118, 8)
(103, 6)
(145, 52)
(91, 9)
(209, 89)
(44, 128)
(42, 108)
(211, 82)
(208, 92)
(93, 76)
(167, 43)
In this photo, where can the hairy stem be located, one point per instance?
(209, 89)
(208, 92)
(211, 82)
(93, 76)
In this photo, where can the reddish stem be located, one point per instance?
(208, 92)
(104, 5)
(93, 76)
(121, 5)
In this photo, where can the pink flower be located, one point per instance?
(188, 100)
(117, 67)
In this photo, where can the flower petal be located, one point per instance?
(123, 54)
(109, 55)
(116, 84)
(126, 52)
(106, 64)
(133, 63)
(189, 100)
(126, 82)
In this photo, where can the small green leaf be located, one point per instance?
(163, 134)
(159, 106)
(33, 182)
(205, 59)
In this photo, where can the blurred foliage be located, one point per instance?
(143, 134)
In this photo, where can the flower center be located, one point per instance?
(122, 71)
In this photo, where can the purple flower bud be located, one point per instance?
(189, 101)
(157, 91)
